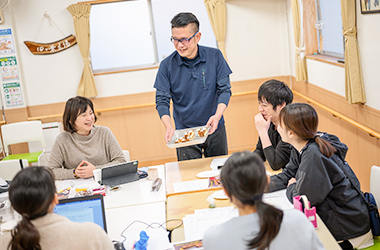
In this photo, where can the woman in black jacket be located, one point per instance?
(315, 170)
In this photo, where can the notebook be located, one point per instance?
(119, 174)
(83, 209)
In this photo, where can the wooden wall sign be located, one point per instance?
(51, 48)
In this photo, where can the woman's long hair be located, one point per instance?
(302, 119)
(244, 178)
(31, 192)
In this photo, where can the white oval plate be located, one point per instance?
(208, 174)
(8, 226)
(220, 195)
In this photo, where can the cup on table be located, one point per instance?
(97, 175)
(152, 174)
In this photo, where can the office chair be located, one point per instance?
(9, 168)
(374, 187)
(20, 132)
(374, 183)
(126, 155)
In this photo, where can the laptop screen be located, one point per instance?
(83, 209)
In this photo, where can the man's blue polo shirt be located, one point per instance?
(195, 88)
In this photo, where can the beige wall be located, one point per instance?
(259, 45)
(54, 78)
(140, 131)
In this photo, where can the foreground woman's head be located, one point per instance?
(244, 180)
(32, 194)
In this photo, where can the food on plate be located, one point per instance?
(188, 136)
(201, 132)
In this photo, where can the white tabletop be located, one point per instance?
(137, 218)
(120, 218)
(132, 193)
(137, 193)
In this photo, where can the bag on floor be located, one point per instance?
(373, 214)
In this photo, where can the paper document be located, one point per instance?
(217, 162)
(278, 199)
(196, 224)
(187, 186)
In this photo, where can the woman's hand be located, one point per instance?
(291, 181)
(84, 169)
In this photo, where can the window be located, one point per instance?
(330, 27)
(136, 33)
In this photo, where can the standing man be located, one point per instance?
(196, 79)
(273, 96)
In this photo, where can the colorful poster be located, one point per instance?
(12, 93)
(8, 68)
(6, 42)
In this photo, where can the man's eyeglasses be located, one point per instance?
(184, 41)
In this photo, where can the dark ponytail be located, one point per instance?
(25, 236)
(31, 192)
(270, 223)
(302, 119)
(244, 178)
(325, 147)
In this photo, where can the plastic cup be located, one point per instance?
(97, 175)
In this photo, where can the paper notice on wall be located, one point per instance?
(12, 94)
(8, 68)
(6, 42)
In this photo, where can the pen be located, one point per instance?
(156, 184)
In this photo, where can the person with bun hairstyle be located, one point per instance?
(316, 170)
(259, 225)
(32, 194)
(82, 147)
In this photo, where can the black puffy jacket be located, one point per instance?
(327, 187)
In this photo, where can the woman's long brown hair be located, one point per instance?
(302, 119)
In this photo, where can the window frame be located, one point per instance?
(154, 38)
(311, 36)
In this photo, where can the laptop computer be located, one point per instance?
(119, 174)
(83, 209)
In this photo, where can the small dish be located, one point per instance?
(208, 174)
(220, 195)
(8, 226)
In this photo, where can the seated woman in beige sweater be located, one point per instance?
(33, 195)
(83, 146)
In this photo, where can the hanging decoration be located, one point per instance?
(53, 47)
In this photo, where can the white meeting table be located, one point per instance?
(133, 201)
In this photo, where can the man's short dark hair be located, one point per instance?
(73, 108)
(183, 19)
(275, 92)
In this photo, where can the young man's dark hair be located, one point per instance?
(275, 92)
(183, 19)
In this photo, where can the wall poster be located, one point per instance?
(9, 69)
(6, 42)
(12, 93)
